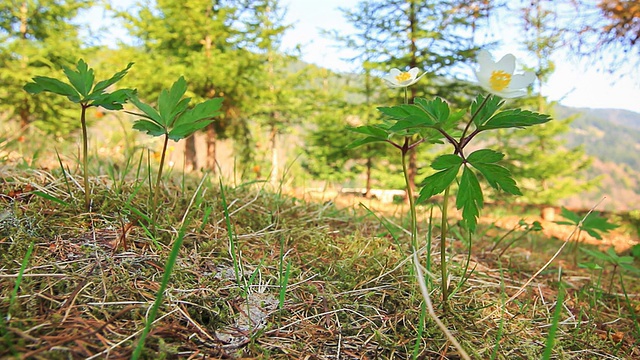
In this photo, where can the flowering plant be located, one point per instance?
(406, 126)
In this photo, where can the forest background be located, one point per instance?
(284, 120)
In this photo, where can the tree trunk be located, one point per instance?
(190, 157)
(211, 148)
(367, 191)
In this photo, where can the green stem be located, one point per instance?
(412, 205)
(473, 117)
(85, 154)
(154, 209)
(443, 248)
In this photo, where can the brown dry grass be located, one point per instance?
(351, 293)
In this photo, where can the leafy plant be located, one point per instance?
(432, 121)
(173, 120)
(612, 258)
(593, 224)
(82, 90)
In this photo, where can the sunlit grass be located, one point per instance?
(318, 279)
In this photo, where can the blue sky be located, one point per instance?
(573, 84)
(578, 85)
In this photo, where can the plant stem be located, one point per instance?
(154, 209)
(85, 153)
(412, 205)
(443, 248)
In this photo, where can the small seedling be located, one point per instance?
(81, 90)
(593, 224)
(174, 121)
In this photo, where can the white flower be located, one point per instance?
(498, 77)
(400, 79)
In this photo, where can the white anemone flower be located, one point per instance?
(498, 77)
(402, 79)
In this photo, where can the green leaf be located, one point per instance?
(370, 130)
(169, 100)
(497, 176)
(149, 127)
(149, 111)
(367, 140)
(446, 161)
(590, 266)
(597, 254)
(43, 83)
(469, 198)
(592, 224)
(102, 85)
(570, 215)
(514, 118)
(437, 108)
(490, 105)
(207, 109)
(438, 182)
(595, 224)
(185, 130)
(50, 197)
(114, 100)
(82, 79)
(409, 112)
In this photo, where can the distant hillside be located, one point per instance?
(612, 136)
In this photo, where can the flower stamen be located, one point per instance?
(499, 80)
(403, 76)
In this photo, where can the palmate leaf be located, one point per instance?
(149, 127)
(593, 224)
(371, 130)
(82, 80)
(514, 118)
(469, 198)
(491, 103)
(437, 108)
(47, 84)
(449, 165)
(203, 111)
(367, 140)
(195, 119)
(102, 85)
(149, 112)
(408, 116)
(497, 176)
(169, 101)
(185, 130)
(114, 100)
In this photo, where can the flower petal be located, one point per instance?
(507, 64)
(414, 72)
(485, 62)
(510, 94)
(519, 81)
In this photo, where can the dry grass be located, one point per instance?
(351, 293)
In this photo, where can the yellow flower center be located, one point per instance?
(499, 80)
(404, 76)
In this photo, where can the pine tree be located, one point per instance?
(210, 43)
(435, 36)
(539, 159)
(37, 37)
(283, 84)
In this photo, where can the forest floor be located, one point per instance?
(291, 278)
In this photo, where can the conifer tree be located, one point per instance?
(434, 36)
(540, 161)
(37, 37)
(283, 84)
(212, 44)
